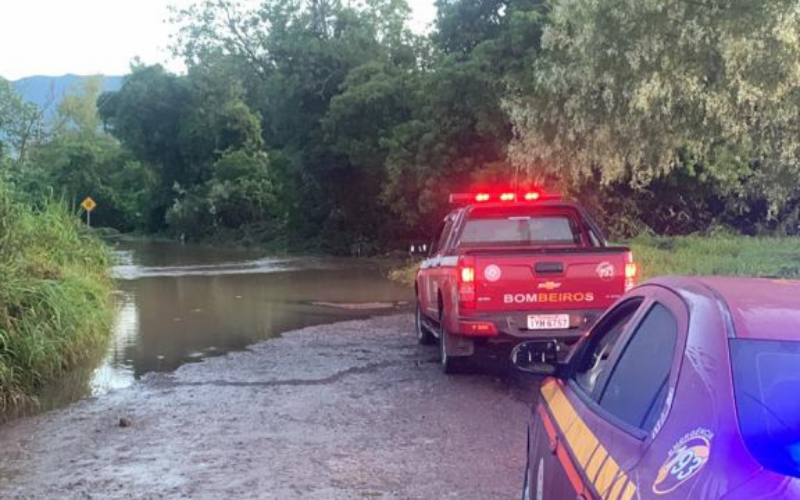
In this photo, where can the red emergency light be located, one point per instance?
(503, 197)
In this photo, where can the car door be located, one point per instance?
(621, 412)
(430, 267)
(434, 273)
(554, 470)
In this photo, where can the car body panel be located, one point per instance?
(695, 450)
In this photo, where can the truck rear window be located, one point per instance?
(521, 230)
(766, 381)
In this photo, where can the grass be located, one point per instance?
(718, 255)
(696, 255)
(55, 302)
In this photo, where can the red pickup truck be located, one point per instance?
(509, 267)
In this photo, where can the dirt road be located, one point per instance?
(352, 410)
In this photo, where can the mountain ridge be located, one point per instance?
(47, 91)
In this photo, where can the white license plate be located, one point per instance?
(548, 322)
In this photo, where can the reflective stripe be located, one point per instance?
(600, 468)
(439, 262)
(594, 464)
(561, 453)
(629, 492)
(608, 473)
(448, 261)
(617, 488)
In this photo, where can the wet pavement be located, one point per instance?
(348, 410)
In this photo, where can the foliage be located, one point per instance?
(716, 255)
(55, 300)
(20, 124)
(723, 254)
(328, 125)
(633, 91)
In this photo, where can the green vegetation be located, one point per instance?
(718, 255)
(329, 125)
(722, 255)
(55, 297)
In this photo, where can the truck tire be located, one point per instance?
(450, 364)
(424, 336)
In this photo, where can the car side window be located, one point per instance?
(637, 387)
(594, 359)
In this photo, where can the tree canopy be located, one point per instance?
(330, 125)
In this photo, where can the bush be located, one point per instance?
(55, 302)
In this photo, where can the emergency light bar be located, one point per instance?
(505, 197)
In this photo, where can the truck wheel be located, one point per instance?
(424, 336)
(450, 364)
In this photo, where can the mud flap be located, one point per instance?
(458, 346)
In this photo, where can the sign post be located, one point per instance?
(88, 204)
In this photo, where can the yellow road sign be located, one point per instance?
(88, 204)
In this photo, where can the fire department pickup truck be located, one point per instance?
(509, 267)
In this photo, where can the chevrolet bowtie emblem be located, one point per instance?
(549, 285)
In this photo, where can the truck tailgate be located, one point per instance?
(560, 280)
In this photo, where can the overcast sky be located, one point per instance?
(55, 37)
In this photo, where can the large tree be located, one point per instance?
(632, 91)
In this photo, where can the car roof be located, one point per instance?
(760, 308)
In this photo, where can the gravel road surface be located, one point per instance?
(352, 410)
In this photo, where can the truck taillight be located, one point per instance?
(466, 282)
(631, 271)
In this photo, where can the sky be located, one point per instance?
(86, 37)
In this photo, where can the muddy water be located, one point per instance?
(179, 304)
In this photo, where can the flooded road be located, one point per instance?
(335, 411)
(181, 303)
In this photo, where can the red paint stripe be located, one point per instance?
(563, 456)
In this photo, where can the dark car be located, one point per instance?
(686, 388)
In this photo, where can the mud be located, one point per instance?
(352, 410)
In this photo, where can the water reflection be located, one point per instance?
(181, 303)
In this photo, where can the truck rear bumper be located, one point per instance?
(513, 326)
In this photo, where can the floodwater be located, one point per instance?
(182, 303)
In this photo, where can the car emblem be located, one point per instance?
(492, 273)
(605, 270)
(549, 285)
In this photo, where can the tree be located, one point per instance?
(180, 126)
(630, 91)
(21, 125)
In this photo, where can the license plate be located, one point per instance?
(548, 322)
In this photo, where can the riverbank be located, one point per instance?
(342, 411)
(55, 297)
(727, 255)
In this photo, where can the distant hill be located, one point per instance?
(39, 89)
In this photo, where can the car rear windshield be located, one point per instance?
(766, 379)
(527, 230)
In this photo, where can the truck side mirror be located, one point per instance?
(539, 357)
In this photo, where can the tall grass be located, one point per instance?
(718, 255)
(697, 255)
(55, 302)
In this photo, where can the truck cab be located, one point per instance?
(509, 267)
